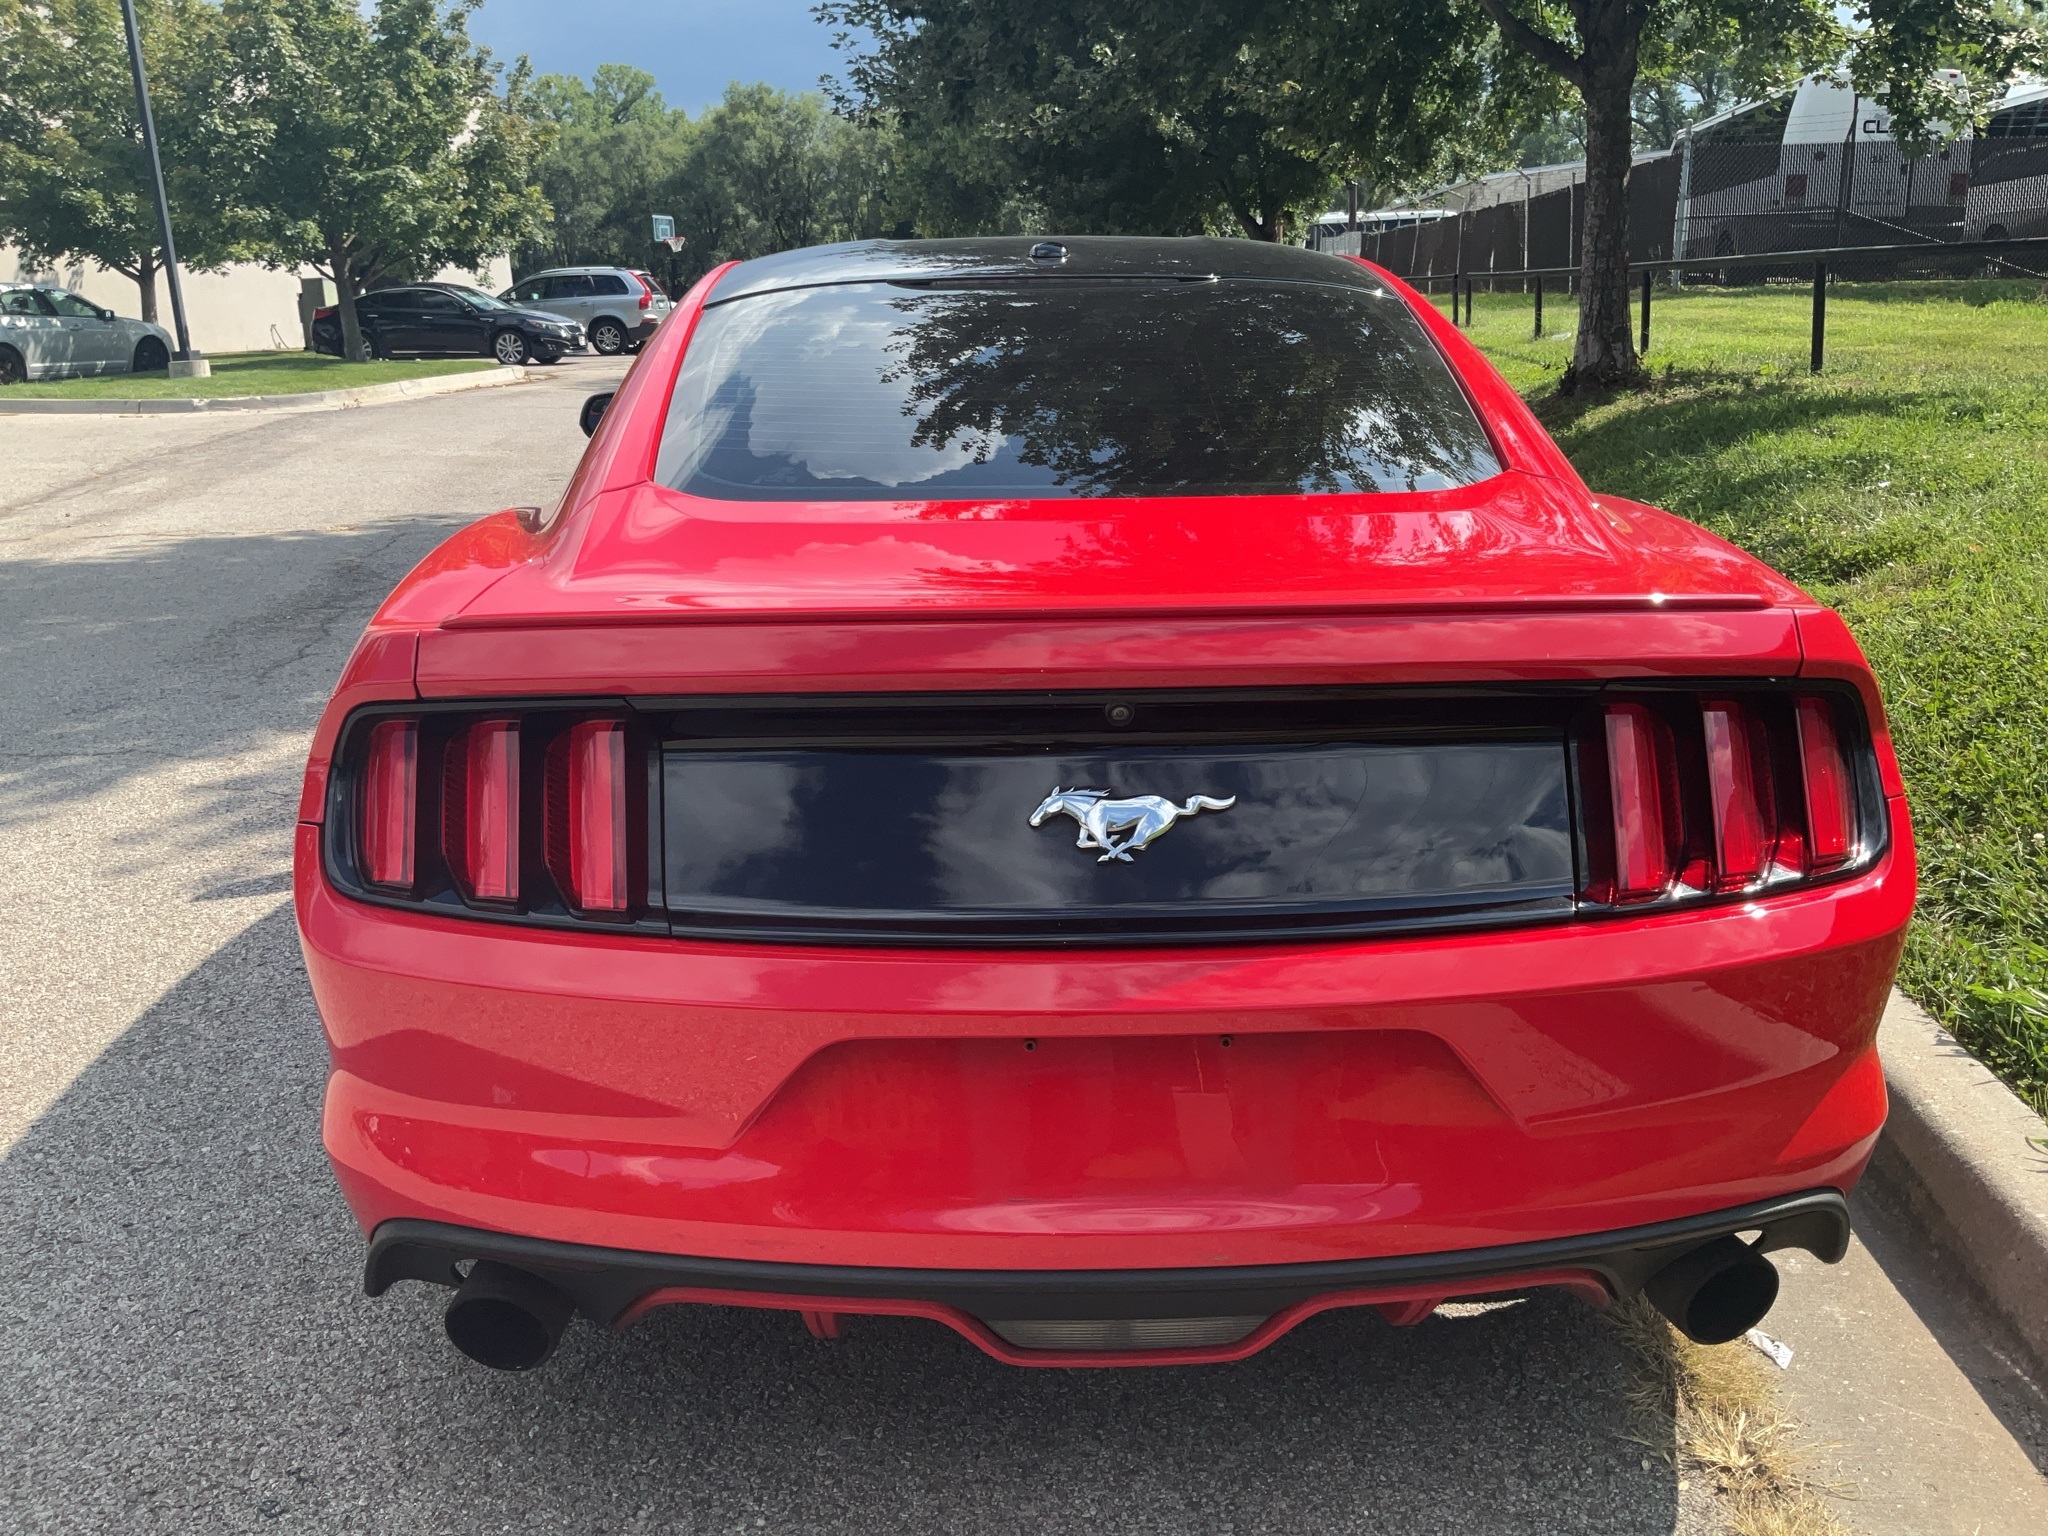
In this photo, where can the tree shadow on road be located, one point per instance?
(184, 1347)
(210, 654)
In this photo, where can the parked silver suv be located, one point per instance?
(618, 307)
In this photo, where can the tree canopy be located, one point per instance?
(389, 150)
(1171, 116)
(615, 151)
(74, 181)
(763, 170)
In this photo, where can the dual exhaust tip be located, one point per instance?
(511, 1320)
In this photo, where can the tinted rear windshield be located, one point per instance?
(1065, 387)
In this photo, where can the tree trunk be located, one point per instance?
(145, 281)
(1249, 220)
(1258, 226)
(342, 266)
(1604, 355)
(1246, 220)
(1610, 34)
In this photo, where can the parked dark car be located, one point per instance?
(449, 320)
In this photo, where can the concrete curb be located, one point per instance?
(322, 400)
(1964, 1137)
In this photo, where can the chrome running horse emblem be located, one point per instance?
(1142, 817)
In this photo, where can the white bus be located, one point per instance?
(1334, 231)
(1817, 166)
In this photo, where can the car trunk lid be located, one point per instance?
(1516, 542)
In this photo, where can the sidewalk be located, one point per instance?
(1915, 1397)
(1917, 1368)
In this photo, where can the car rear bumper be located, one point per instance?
(1056, 1110)
(997, 1309)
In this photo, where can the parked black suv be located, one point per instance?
(449, 320)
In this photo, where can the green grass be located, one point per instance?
(1907, 487)
(246, 373)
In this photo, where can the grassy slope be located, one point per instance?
(1907, 487)
(246, 373)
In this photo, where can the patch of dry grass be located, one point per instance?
(1722, 1414)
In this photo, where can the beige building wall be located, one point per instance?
(244, 308)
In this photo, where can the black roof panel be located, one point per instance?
(876, 261)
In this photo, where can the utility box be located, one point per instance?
(314, 293)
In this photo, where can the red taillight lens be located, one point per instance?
(1645, 802)
(1739, 791)
(480, 810)
(1830, 795)
(390, 800)
(586, 815)
(646, 299)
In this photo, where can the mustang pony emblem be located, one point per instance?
(1143, 817)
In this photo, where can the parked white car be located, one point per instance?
(48, 333)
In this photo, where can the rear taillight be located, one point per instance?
(390, 805)
(586, 816)
(1739, 794)
(1645, 808)
(324, 314)
(537, 814)
(1830, 792)
(480, 810)
(1686, 796)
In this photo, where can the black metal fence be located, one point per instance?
(2027, 257)
(1877, 211)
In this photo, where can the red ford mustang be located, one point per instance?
(1114, 795)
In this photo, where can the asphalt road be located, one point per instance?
(184, 1345)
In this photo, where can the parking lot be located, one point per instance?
(183, 1341)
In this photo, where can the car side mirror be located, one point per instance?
(593, 411)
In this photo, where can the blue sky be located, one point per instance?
(692, 47)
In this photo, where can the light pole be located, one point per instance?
(163, 204)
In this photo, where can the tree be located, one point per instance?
(1600, 48)
(763, 170)
(616, 145)
(390, 150)
(792, 170)
(74, 182)
(1904, 42)
(1691, 71)
(1172, 116)
(770, 170)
